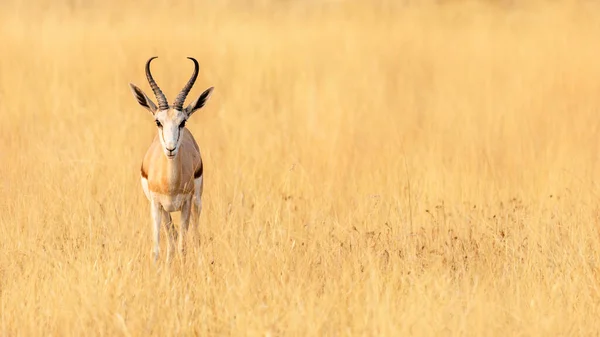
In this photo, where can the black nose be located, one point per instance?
(171, 150)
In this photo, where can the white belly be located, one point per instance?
(170, 203)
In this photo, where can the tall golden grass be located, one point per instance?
(371, 168)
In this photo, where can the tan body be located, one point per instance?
(173, 185)
(171, 172)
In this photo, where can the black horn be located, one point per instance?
(160, 97)
(180, 99)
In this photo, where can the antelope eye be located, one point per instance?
(158, 123)
(182, 125)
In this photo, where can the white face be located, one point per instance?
(170, 124)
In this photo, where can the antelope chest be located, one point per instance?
(169, 202)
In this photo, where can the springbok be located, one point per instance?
(171, 172)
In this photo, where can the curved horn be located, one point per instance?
(160, 97)
(180, 99)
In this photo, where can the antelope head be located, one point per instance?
(170, 119)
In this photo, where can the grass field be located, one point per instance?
(371, 169)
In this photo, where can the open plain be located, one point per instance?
(372, 168)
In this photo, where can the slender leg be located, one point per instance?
(197, 209)
(156, 212)
(185, 221)
(194, 222)
(168, 221)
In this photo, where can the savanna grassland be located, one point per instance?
(371, 168)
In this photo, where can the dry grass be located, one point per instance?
(377, 170)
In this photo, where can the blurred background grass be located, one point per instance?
(372, 168)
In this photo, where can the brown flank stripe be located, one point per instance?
(144, 173)
(199, 171)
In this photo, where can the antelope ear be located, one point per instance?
(142, 99)
(199, 102)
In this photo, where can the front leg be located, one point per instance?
(156, 213)
(196, 210)
(186, 211)
(168, 221)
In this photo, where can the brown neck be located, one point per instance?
(173, 172)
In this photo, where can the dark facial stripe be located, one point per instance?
(199, 171)
(162, 135)
(144, 173)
